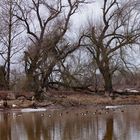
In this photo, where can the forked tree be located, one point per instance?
(118, 29)
(47, 24)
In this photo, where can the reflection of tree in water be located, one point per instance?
(33, 126)
(67, 127)
(5, 127)
(79, 128)
(59, 128)
(36, 128)
(127, 125)
(109, 129)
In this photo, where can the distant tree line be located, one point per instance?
(38, 33)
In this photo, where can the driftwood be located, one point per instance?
(127, 92)
(58, 85)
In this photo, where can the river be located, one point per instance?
(122, 123)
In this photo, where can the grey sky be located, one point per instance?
(87, 12)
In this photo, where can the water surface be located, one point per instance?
(121, 123)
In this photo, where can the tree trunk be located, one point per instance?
(9, 46)
(3, 78)
(107, 76)
(108, 82)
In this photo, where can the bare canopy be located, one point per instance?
(118, 29)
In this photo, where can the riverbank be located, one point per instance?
(71, 99)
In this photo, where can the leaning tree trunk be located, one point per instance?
(44, 83)
(32, 83)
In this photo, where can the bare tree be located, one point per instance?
(9, 33)
(118, 30)
(47, 33)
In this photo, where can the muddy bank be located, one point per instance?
(63, 100)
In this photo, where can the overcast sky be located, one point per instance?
(87, 12)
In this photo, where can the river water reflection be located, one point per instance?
(118, 124)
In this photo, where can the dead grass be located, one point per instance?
(86, 99)
(77, 99)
